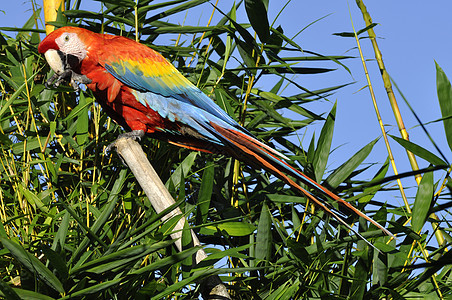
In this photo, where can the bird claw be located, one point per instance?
(75, 79)
(134, 135)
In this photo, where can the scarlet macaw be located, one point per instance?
(141, 90)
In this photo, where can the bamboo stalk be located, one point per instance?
(380, 122)
(395, 108)
(160, 198)
(51, 8)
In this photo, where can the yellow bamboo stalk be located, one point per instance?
(395, 108)
(380, 122)
(51, 8)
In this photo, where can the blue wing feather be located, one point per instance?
(177, 88)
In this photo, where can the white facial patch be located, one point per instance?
(69, 43)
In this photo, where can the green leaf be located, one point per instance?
(8, 292)
(93, 289)
(83, 121)
(182, 170)
(369, 192)
(165, 262)
(57, 261)
(205, 191)
(444, 91)
(30, 295)
(352, 34)
(286, 198)
(220, 254)
(223, 100)
(183, 7)
(187, 243)
(17, 92)
(123, 3)
(30, 145)
(231, 228)
(420, 151)
(424, 198)
(106, 213)
(359, 280)
(30, 262)
(80, 109)
(346, 169)
(264, 235)
(119, 259)
(257, 14)
(322, 151)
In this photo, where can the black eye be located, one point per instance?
(66, 38)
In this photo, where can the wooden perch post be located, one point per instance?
(160, 198)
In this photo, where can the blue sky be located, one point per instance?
(411, 35)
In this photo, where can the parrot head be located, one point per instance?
(64, 48)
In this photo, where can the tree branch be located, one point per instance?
(160, 198)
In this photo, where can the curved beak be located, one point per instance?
(55, 60)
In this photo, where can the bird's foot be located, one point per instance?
(75, 79)
(134, 135)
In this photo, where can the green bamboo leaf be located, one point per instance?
(187, 243)
(283, 102)
(17, 92)
(189, 29)
(60, 237)
(147, 8)
(279, 198)
(30, 262)
(119, 259)
(231, 228)
(93, 289)
(123, 3)
(169, 225)
(5, 141)
(359, 280)
(57, 261)
(106, 213)
(246, 52)
(380, 262)
(170, 290)
(352, 34)
(181, 171)
(220, 254)
(264, 235)
(80, 109)
(8, 292)
(444, 91)
(30, 145)
(205, 192)
(424, 198)
(420, 151)
(257, 14)
(284, 291)
(369, 192)
(322, 151)
(341, 174)
(83, 121)
(165, 262)
(183, 7)
(33, 199)
(270, 111)
(29, 295)
(223, 100)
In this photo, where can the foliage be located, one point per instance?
(75, 224)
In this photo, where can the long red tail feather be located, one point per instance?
(265, 157)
